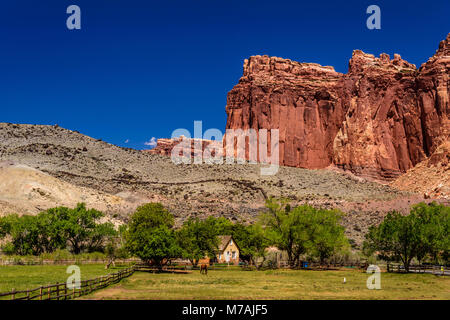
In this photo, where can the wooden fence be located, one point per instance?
(60, 291)
(437, 270)
(13, 262)
(318, 266)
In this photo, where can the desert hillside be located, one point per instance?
(25, 190)
(44, 166)
(431, 177)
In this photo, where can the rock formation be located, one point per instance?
(430, 177)
(379, 120)
(197, 147)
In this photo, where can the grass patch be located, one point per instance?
(30, 277)
(236, 284)
(278, 284)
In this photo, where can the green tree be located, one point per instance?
(25, 235)
(303, 230)
(422, 234)
(150, 235)
(433, 228)
(285, 228)
(100, 234)
(55, 229)
(115, 247)
(198, 239)
(221, 225)
(80, 227)
(253, 242)
(325, 235)
(396, 238)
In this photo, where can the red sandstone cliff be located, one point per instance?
(165, 147)
(379, 120)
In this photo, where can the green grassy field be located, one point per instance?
(30, 277)
(237, 284)
(277, 284)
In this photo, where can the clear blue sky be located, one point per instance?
(140, 69)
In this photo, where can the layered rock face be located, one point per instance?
(379, 120)
(196, 147)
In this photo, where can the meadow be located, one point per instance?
(275, 284)
(24, 277)
(236, 284)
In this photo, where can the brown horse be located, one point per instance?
(204, 268)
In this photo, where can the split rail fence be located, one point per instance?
(60, 291)
(433, 269)
(14, 262)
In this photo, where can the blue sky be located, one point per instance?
(141, 69)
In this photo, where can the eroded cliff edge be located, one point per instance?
(379, 120)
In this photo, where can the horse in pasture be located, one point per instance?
(204, 268)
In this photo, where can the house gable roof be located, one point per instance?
(224, 241)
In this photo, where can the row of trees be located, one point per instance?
(77, 230)
(151, 236)
(301, 230)
(424, 234)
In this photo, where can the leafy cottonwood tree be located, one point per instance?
(303, 230)
(423, 233)
(253, 242)
(55, 229)
(115, 247)
(150, 235)
(325, 235)
(434, 231)
(198, 239)
(395, 239)
(80, 227)
(285, 229)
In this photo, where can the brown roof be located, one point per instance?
(223, 242)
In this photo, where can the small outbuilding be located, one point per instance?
(228, 250)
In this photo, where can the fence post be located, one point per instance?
(57, 291)
(28, 294)
(13, 295)
(40, 293)
(48, 293)
(65, 291)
